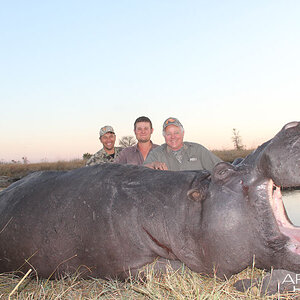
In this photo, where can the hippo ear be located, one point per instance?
(196, 194)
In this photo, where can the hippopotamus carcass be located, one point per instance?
(114, 219)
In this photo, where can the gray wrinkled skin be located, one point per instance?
(114, 219)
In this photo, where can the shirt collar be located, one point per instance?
(137, 149)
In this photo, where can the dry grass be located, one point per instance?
(231, 155)
(182, 284)
(20, 170)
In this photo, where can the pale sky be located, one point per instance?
(68, 68)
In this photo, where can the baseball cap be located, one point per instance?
(106, 129)
(171, 121)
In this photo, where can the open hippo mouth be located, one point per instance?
(284, 224)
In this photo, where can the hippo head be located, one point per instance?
(280, 159)
(245, 204)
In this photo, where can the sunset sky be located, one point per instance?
(68, 68)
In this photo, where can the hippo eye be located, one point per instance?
(223, 174)
(222, 170)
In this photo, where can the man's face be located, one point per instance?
(143, 131)
(174, 137)
(108, 140)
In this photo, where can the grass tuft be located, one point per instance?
(181, 284)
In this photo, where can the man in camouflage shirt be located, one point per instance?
(109, 152)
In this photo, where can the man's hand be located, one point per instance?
(157, 165)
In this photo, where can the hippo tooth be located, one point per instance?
(279, 210)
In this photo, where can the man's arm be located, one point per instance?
(153, 161)
(209, 160)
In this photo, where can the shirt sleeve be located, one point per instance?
(94, 159)
(209, 160)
